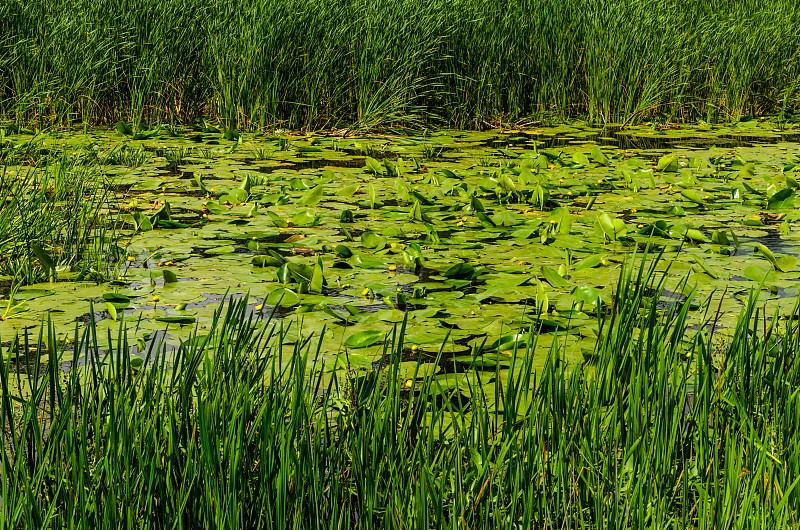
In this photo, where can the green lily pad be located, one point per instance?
(362, 339)
(283, 297)
(754, 273)
(176, 319)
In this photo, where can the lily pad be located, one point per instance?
(362, 339)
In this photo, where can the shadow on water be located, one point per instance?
(621, 139)
(773, 241)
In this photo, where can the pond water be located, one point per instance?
(476, 235)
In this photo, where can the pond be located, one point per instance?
(488, 241)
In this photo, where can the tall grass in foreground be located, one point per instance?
(358, 63)
(236, 431)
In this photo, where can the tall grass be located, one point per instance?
(358, 63)
(52, 218)
(235, 430)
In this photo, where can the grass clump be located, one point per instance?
(235, 429)
(52, 223)
(353, 63)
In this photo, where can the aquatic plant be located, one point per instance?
(353, 64)
(665, 427)
(52, 222)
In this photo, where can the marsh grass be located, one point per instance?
(52, 220)
(236, 429)
(360, 65)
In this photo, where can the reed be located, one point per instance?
(53, 218)
(235, 429)
(352, 63)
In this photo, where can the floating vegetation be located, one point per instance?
(663, 426)
(495, 329)
(503, 233)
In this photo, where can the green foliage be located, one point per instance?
(360, 64)
(51, 219)
(664, 428)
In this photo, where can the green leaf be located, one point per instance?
(416, 213)
(785, 263)
(588, 262)
(213, 207)
(367, 262)
(612, 228)
(676, 211)
(44, 258)
(305, 218)
(299, 271)
(504, 218)
(283, 297)
(783, 199)
(124, 128)
(484, 219)
(475, 205)
(599, 157)
(267, 261)
(117, 298)
(606, 225)
(554, 279)
(580, 159)
(335, 314)
(298, 184)
(343, 251)
(247, 184)
(695, 235)
(143, 222)
(719, 237)
(311, 197)
(347, 191)
(754, 273)
(708, 270)
(176, 319)
(668, 163)
(237, 196)
(277, 220)
(169, 276)
(363, 339)
(510, 342)
(372, 196)
(587, 295)
(542, 302)
(315, 285)
(693, 196)
(111, 311)
(374, 166)
(460, 270)
(372, 240)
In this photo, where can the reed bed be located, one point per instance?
(236, 430)
(53, 218)
(368, 64)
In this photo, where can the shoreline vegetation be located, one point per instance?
(655, 389)
(317, 64)
(249, 433)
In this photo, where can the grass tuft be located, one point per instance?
(237, 429)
